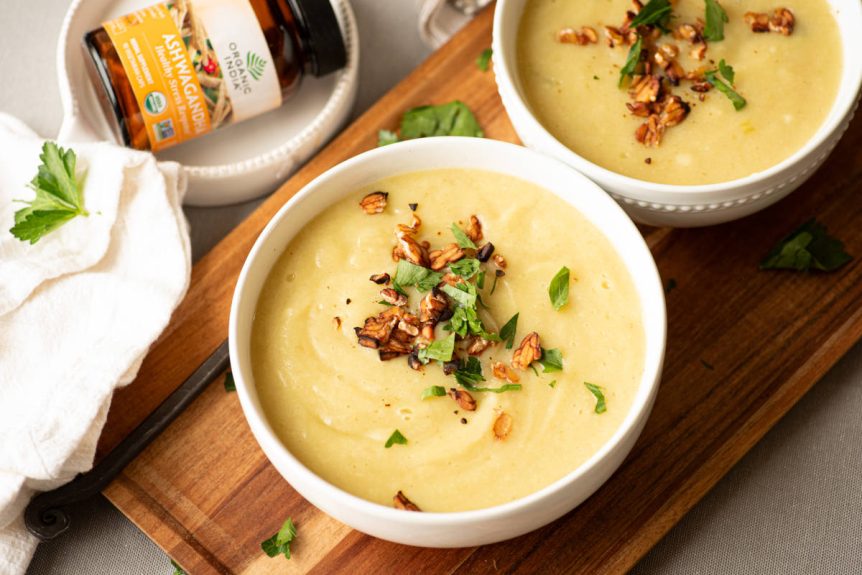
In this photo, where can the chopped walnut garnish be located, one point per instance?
(477, 345)
(432, 307)
(585, 36)
(427, 332)
(639, 109)
(449, 279)
(650, 133)
(781, 21)
(673, 111)
(410, 328)
(645, 88)
(618, 37)
(413, 361)
(392, 297)
(529, 351)
(502, 426)
(441, 258)
(463, 399)
(483, 254)
(689, 32)
(503, 372)
(409, 249)
(474, 231)
(500, 261)
(374, 203)
(400, 501)
(701, 87)
(669, 112)
(450, 367)
(378, 329)
(380, 279)
(698, 51)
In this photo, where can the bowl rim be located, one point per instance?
(649, 289)
(638, 189)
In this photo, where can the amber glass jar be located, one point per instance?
(181, 69)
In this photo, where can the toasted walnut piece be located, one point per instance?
(450, 367)
(502, 426)
(650, 132)
(483, 254)
(529, 351)
(432, 306)
(689, 32)
(413, 361)
(505, 373)
(391, 296)
(427, 332)
(464, 400)
(378, 329)
(701, 87)
(698, 51)
(410, 250)
(674, 72)
(397, 253)
(645, 88)
(639, 109)
(615, 36)
(477, 345)
(584, 36)
(474, 231)
(400, 501)
(757, 21)
(500, 261)
(441, 258)
(380, 279)
(449, 279)
(782, 21)
(673, 111)
(374, 203)
(408, 328)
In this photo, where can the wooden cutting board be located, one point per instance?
(744, 346)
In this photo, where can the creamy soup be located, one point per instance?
(335, 404)
(789, 84)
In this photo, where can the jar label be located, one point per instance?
(194, 67)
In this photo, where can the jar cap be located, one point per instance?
(323, 34)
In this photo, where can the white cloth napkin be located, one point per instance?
(78, 312)
(439, 19)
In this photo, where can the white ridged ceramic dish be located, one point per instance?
(677, 205)
(468, 528)
(233, 164)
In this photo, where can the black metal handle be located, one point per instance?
(46, 516)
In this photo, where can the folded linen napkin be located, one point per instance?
(78, 312)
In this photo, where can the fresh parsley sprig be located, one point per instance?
(726, 71)
(558, 291)
(806, 248)
(483, 59)
(632, 60)
(59, 195)
(452, 119)
(279, 543)
(655, 13)
(396, 437)
(716, 18)
(601, 405)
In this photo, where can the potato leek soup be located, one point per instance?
(447, 340)
(682, 92)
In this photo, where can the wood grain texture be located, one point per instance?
(743, 347)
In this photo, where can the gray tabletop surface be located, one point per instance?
(793, 505)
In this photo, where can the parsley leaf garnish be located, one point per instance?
(464, 294)
(808, 247)
(601, 406)
(469, 373)
(461, 238)
(177, 569)
(632, 60)
(507, 332)
(229, 383)
(452, 119)
(553, 384)
(433, 391)
(551, 360)
(727, 71)
(280, 542)
(480, 280)
(409, 274)
(716, 18)
(466, 268)
(440, 349)
(558, 291)
(396, 437)
(655, 12)
(59, 196)
(386, 137)
(483, 59)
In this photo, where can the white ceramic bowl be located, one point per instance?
(466, 528)
(233, 164)
(676, 205)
